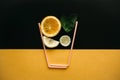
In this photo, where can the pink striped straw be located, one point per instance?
(70, 53)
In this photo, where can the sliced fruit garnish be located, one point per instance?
(50, 26)
(65, 40)
(50, 43)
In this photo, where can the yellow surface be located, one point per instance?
(85, 65)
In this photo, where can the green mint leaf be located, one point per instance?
(68, 22)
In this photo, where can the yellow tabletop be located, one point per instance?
(30, 64)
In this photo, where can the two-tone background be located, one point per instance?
(97, 54)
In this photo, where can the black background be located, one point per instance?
(99, 22)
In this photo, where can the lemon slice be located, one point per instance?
(65, 40)
(50, 26)
(50, 43)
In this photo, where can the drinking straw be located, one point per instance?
(70, 53)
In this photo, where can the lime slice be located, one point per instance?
(50, 43)
(65, 40)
